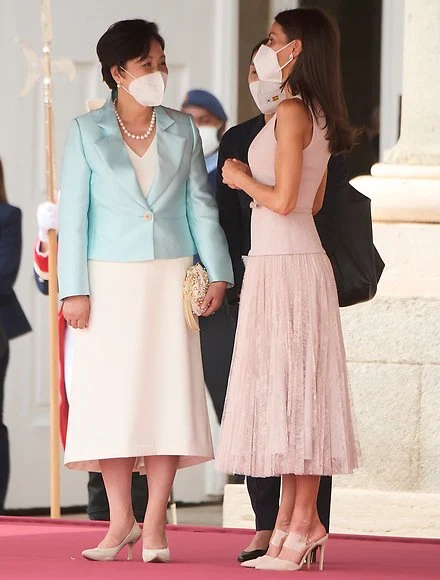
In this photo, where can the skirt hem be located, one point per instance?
(280, 473)
(186, 460)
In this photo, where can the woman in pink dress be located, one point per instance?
(288, 409)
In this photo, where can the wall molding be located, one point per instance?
(391, 72)
(226, 55)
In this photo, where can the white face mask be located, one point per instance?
(267, 95)
(149, 89)
(210, 142)
(266, 63)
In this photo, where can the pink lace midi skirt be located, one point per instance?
(288, 407)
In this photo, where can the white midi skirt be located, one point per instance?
(137, 386)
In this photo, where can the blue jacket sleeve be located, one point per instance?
(73, 276)
(203, 218)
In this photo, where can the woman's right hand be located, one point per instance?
(232, 169)
(76, 311)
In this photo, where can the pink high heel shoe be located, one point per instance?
(301, 546)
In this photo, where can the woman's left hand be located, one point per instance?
(214, 298)
(232, 170)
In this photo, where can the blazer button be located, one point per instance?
(148, 216)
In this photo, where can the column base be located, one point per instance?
(402, 193)
(356, 511)
(385, 513)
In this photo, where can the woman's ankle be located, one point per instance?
(122, 518)
(283, 524)
(154, 526)
(306, 525)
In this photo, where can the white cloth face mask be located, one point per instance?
(266, 63)
(209, 137)
(267, 95)
(149, 89)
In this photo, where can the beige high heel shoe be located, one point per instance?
(321, 545)
(162, 555)
(276, 540)
(106, 554)
(299, 545)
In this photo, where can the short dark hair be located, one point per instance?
(123, 41)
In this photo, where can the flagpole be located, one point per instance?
(46, 25)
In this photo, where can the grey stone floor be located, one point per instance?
(210, 515)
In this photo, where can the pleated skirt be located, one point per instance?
(137, 386)
(288, 407)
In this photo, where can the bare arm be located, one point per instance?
(319, 197)
(292, 132)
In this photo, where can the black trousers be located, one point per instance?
(217, 335)
(98, 508)
(4, 440)
(265, 497)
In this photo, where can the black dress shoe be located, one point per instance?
(246, 556)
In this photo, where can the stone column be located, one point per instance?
(419, 143)
(392, 341)
(406, 188)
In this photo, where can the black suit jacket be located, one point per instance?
(212, 177)
(12, 317)
(234, 205)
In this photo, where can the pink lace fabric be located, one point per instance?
(288, 407)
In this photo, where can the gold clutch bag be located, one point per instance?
(195, 287)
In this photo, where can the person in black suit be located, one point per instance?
(12, 318)
(235, 218)
(217, 332)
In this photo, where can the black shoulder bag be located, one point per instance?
(348, 241)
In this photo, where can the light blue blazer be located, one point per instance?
(105, 216)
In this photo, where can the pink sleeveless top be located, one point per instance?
(272, 233)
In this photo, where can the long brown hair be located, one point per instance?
(316, 75)
(3, 198)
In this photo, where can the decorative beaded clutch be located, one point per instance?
(195, 287)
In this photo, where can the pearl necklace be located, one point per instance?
(132, 135)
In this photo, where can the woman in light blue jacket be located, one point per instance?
(134, 209)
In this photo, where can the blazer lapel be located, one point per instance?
(112, 149)
(169, 151)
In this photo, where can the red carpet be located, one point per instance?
(41, 549)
